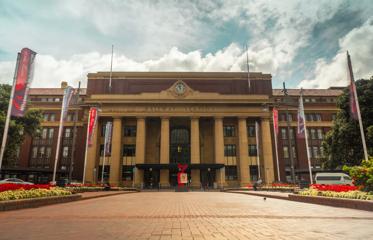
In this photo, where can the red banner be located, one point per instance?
(91, 123)
(275, 120)
(24, 73)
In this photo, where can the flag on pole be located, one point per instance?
(23, 79)
(92, 120)
(354, 105)
(353, 97)
(108, 130)
(67, 95)
(275, 120)
(247, 66)
(301, 119)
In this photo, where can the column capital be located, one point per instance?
(242, 117)
(117, 118)
(165, 117)
(140, 117)
(194, 117)
(218, 117)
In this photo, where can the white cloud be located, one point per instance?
(49, 71)
(334, 72)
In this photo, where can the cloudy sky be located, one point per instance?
(303, 43)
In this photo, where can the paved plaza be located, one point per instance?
(192, 215)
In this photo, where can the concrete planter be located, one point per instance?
(366, 205)
(36, 202)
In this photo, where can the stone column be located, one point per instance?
(267, 151)
(140, 150)
(195, 151)
(243, 152)
(219, 150)
(165, 151)
(116, 153)
(90, 173)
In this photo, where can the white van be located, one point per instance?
(333, 178)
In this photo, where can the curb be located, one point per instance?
(104, 195)
(261, 195)
(37, 202)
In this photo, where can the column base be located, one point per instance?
(164, 179)
(139, 178)
(196, 178)
(220, 178)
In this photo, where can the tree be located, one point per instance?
(362, 175)
(18, 126)
(342, 144)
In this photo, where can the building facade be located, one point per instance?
(219, 124)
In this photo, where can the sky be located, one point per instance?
(302, 43)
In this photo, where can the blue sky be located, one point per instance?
(300, 42)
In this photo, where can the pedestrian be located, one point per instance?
(257, 184)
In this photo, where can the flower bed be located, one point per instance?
(13, 186)
(336, 191)
(78, 188)
(32, 193)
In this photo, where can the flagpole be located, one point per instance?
(58, 145)
(6, 126)
(111, 67)
(357, 108)
(257, 148)
(247, 66)
(306, 136)
(103, 161)
(86, 148)
(276, 150)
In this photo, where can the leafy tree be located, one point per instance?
(18, 126)
(362, 175)
(342, 144)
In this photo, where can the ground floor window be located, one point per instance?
(127, 173)
(253, 173)
(106, 173)
(230, 172)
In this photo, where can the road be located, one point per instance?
(192, 215)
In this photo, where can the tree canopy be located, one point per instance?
(18, 126)
(343, 144)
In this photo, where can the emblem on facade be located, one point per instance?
(180, 89)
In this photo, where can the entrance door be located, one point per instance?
(207, 178)
(180, 146)
(151, 178)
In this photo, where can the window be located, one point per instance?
(130, 131)
(313, 133)
(251, 131)
(315, 152)
(252, 150)
(230, 150)
(34, 152)
(253, 172)
(282, 117)
(51, 133)
(286, 151)
(229, 131)
(294, 152)
(65, 151)
(291, 133)
(44, 133)
(68, 133)
(319, 134)
(41, 151)
(318, 117)
(129, 150)
(56, 99)
(127, 173)
(50, 99)
(48, 152)
(283, 133)
(69, 117)
(45, 116)
(290, 117)
(108, 152)
(307, 100)
(52, 117)
(230, 173)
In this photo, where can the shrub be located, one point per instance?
(32, 193)
(363, 174)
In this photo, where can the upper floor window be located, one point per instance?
(46, 116)
(251, 131)
(51, 133)
(52, 117)
(252, 150)
(130, 131)
(320, 134)
(68, 133)
(230, 150)
(65, 151)
(44, 133)
(283, 133)
(229, 131)
(129, 150)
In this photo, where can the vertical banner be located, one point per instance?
(301, 121)
(108, 133)
(275, 120)
(92, 120)
(257, 148)
(23, 79)
(67, 96)
(275, 131)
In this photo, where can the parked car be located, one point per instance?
(15, 181)
(333, 178)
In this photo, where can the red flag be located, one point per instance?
(23, 79)
(353, 98)
(91, 124)
(275, 120)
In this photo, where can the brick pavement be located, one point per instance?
(193, 215)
